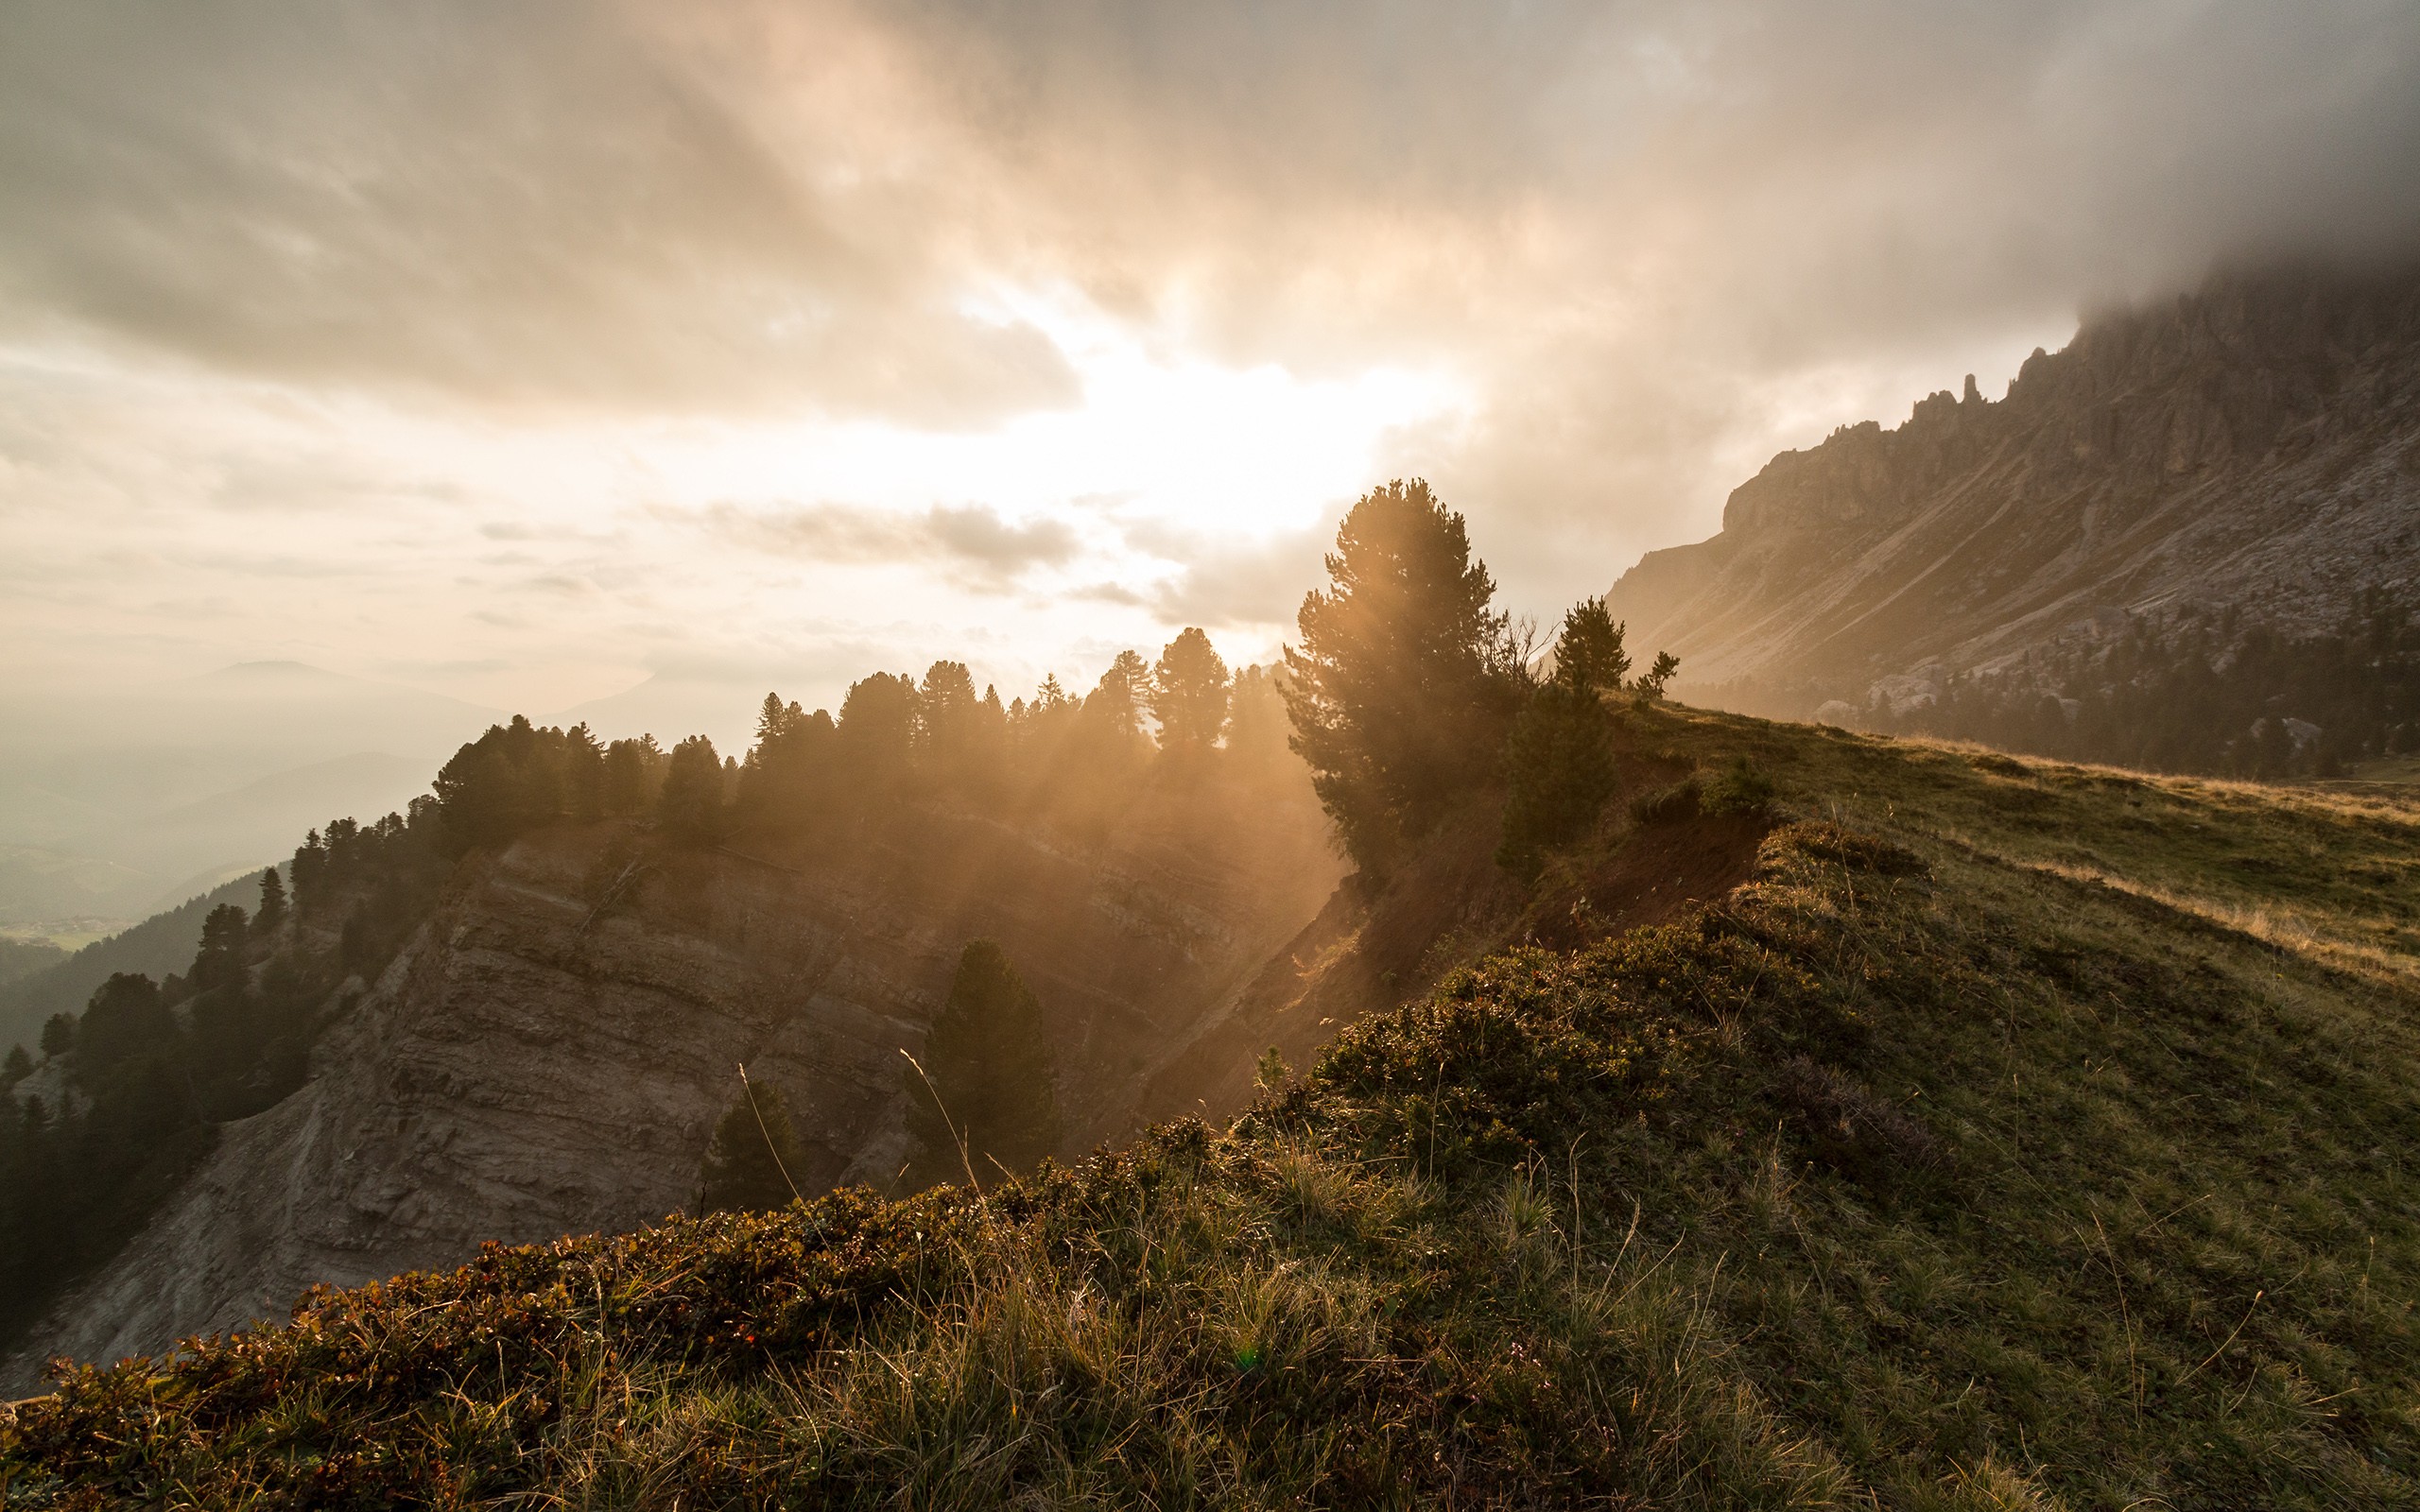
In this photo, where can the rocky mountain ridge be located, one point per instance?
(548, 1055)
(2252, 447)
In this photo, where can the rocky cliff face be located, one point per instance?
(548, 1055)
(2255, 446)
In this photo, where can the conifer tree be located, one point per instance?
(583, 773)
(877, 731)
(59, 1034)
(1559, 759)
(633, 773)
(1589, 652)
(753, 1161)
(219, 962)
(691, 804)
(986, 1083)
(16, 1068)
(125, 1021)
(1115, 704)
(1188, 694)
(1401, 688)
(1650, 683)
(310, 867)
(271, 912)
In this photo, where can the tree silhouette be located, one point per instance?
(633, 775)
(987, 1077)
(1399, 692)
(1559, 759)
(877, 733)
(124, 1022)
(1651, 681)
(220, 960)
(273, 909)
(1188, 694)
(1589, 653)
(691, 805)
(753, 1160)
(787, 770)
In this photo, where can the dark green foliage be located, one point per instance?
(691, 807)
(20, 958)
(1401, 691)
(75, 1181)
(1589, 653)
(156, 947)
(753, 1161)
(271, 911)
(984, 1098)
(877, 733)
(1559, 768)
(517, 777)
(16, 1068)
(1188, 694)
(1559, 761)
(787, 776)
(126, 1021)
(1649, 686)
(222, 959)
(632, 774)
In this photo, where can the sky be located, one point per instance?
(533, 354)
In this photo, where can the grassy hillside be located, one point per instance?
(2016, 1135)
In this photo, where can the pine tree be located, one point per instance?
(16, 1068)
(753, 1161)
(1651, 681)
(1559, 765)
(59, 1034)
(271, 912)
(877, 733)
(988, 1062)
(1589, 652)
(310, 870)
(1401, 689)
(125, 1021)
(691, 804)
(219, 962)
(1188, 694)
(633, 774)
(1559, 759)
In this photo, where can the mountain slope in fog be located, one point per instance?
(2254, 446)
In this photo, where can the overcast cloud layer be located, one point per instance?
(520, 351)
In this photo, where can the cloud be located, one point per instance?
(1224, 583)
(989, 551)
(1650, 242)
(539, 207)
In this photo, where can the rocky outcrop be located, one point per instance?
(548, 1055)
(2254, 446)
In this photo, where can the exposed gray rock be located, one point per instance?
(2254, 446)
(534, 1065)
